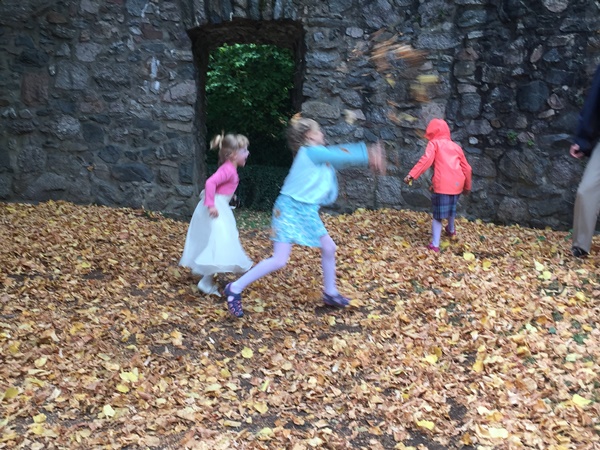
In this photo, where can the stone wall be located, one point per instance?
(103, 101)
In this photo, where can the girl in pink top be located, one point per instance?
(451, 177)
(212, 244)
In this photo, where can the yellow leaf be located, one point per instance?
(265, 385)
(266, 433)
(40, 362)
(213, 387)
(331, 320)
(86, 265)
(37, 429)
(76, 327)
(84, 433)
(539, 267)
(431, 359)
(546, 275)
(468, 256)
(498, 433)
(122, 388)
(247, 353)
(177, 337)
(261, 407)
(108, 411)
(580, 401)
(486, 264)
(129, 376)
(580, 296)
(426, 424)
(11, 392)
(39, 418)
(478, 366)
(232, 423)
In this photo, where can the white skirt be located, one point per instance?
(212, 244)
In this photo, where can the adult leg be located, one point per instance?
(281, 254)
(587, 204)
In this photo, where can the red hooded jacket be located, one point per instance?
(451, 171)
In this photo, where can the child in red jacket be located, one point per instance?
(451, 177)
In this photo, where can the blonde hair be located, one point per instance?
(296, 132)
(228, 144)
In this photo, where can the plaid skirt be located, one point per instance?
(443, 205)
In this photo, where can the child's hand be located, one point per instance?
(377, 159)
(213, 212)
(408, 180)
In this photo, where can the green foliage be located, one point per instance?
(248, 91)
(512, 137)
(259, 186)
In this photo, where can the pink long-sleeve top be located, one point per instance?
(224, 181)
(451, 171)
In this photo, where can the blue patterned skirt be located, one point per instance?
(443, 205)
(295, 222)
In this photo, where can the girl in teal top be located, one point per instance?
(311, 182)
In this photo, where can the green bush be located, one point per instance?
(248, 91)
(259, 186)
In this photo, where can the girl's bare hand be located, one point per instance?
(377, 158)
(576, 152)
(213, 212)
(408, 179)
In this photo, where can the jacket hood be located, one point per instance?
(437, 129)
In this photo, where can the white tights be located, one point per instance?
(281, 254)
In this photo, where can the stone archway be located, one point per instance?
(286, 34)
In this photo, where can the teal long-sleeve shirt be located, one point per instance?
(312, 178)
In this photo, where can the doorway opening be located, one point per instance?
(249, 82)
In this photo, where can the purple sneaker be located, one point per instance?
(337, 300)
(234, 302)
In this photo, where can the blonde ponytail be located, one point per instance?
(228, 144)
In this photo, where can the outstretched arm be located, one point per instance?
(377, 158)
(339, 156)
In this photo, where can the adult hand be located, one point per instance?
(576, 152)
(213, 212)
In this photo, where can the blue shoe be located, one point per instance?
(234, 302)
(337, 300)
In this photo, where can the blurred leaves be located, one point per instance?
(106, 343)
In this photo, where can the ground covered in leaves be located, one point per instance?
(106, 343)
